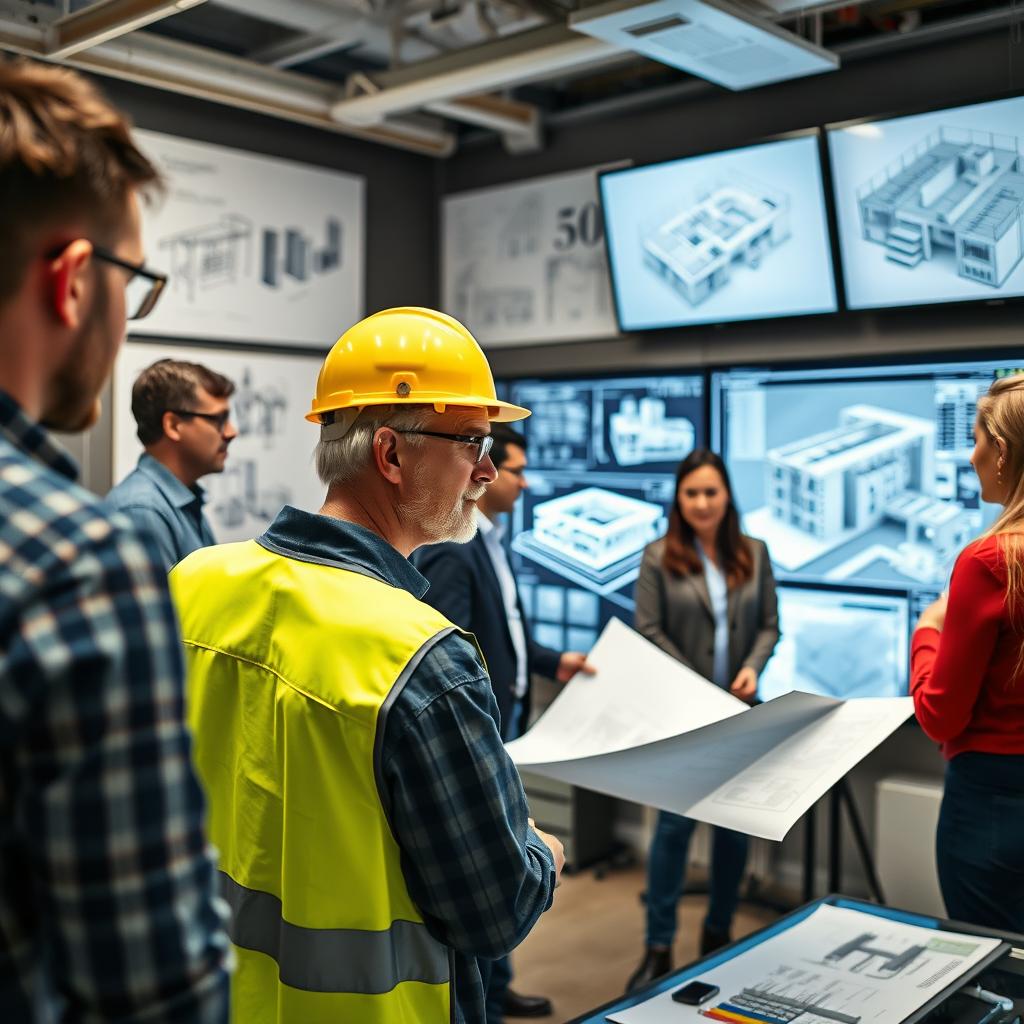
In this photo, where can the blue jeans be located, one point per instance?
(979, 843)
(666, 873)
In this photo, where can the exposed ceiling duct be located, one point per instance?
(710, 39)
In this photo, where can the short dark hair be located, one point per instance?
(171, 384)
(503, 436)
(66, 155)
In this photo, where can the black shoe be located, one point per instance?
(712, 939)
(516, 1005)
(655, 963)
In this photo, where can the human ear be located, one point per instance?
(69, 286)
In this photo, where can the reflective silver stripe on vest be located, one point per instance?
(333, 959)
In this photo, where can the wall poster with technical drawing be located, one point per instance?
(270, 463)
(257, 249)
(526, 263)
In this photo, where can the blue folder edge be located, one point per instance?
(599, 1016)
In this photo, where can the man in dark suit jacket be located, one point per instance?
(472, 584)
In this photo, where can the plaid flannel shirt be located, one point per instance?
(107, 889)
(478, 873)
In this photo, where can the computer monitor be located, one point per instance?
(602, 457)
(736, 235)
(839, 643)
(930, 208)
(857, 476)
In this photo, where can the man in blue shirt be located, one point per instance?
(184, 423)
(107, 899)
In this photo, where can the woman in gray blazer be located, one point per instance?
(706, 595)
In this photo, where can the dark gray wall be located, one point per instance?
(702, 118)
(401, 210)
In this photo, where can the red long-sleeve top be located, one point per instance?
(961, 679)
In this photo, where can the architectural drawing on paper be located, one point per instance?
(592, 536)
(877, 466)
(238, 495)
(292, 253)
(209, 256)
(518, 233)
(641, 432)
(734, 223)
(869, 959)
(486, 306)
(258, 411)
(576, 286)
(956, 191)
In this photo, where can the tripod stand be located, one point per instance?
(839, 796)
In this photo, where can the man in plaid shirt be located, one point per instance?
(107, 905)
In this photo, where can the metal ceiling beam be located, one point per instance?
(522, 58)
(163, 63)
(301, 48)
(106, 20)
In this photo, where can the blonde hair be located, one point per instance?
(1001, 416)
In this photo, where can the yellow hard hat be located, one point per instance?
(408, 356)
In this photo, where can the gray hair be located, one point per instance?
(340, 461)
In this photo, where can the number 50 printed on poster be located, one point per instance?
(257, 249)
(526, 262)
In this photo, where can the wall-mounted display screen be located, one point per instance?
(856, 476)
(602, 458)
(839, 644)
(931, 207)
(737, 235)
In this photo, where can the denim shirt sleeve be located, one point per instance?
(478, 872)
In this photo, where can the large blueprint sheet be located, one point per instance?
(649, 730)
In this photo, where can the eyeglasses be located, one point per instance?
(483, 442)
(218, 419)
(519, 471)
(144, 286)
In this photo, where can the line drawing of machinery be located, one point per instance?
(238, 495)
(292, 253)
(210, 256)
(876, 467)
(640, 432)
(888, 964)
(593, 537)
(258, 411)
(736, 222)
(958, 191)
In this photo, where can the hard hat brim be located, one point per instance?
(497, 410)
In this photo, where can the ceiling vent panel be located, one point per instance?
(711, 39)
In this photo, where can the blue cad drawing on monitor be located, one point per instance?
(838, 644)
(931, 207)
(735, 235)
(602, 457)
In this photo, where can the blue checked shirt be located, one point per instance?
(107, 905)
(479, 874)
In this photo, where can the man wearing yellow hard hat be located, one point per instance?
(373, 833)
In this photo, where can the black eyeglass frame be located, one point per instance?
(483, 442)
(157, 281)
(218, 419)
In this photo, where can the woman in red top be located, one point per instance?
(967, 681)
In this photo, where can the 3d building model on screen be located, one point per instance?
(640, 432)
(956, 192)
(592, 536)
(876, 467)
(732, 224)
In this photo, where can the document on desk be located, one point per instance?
(647, 729)
(837, 966)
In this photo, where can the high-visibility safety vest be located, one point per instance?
(292, 667)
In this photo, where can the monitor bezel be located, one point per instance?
(816, 132)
